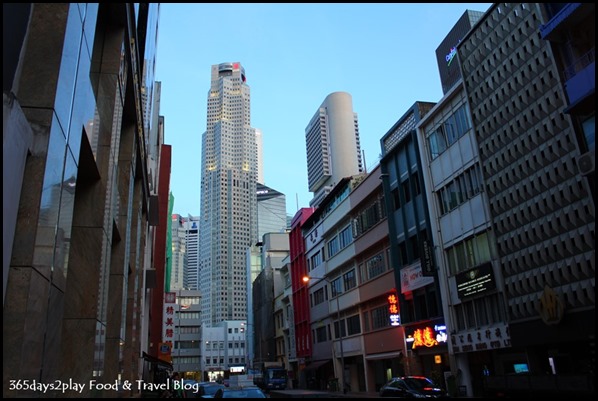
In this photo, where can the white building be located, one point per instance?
(191, 276)
(332, 145)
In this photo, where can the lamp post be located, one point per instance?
(340, 329)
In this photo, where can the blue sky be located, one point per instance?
(294, 55)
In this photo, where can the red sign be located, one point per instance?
(393, 309)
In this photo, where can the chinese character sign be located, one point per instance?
(393, 309)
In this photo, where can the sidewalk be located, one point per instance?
(299, 393)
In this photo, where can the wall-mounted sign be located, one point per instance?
(427, 259)
(393, 309)
(427, 336)
(475, 281)
(451, 55)
(413, 277)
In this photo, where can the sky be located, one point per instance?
(294, 55)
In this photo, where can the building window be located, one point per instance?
(380, 317)
(353, 325)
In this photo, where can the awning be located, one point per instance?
(385, 355)
(153, 359)
(317, 364)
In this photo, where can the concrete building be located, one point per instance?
(512, 216)
(80, 205)
(266, 286)
(186, 341)
(228, 195)
(463, 243)
(223, 350)
(300, 297)
(332, 145)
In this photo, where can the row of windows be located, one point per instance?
(406, 191)
(187, 329)
(453, 128)
(349, 326)
(214, 361)
(347, 281)
(480, 312)
(470, 253)
(462, 188)
(339, 242)
(368, 217)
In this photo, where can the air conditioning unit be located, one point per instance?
(585, 163)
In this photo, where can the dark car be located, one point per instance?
(240, 392)
(208, 389)
(412, 387)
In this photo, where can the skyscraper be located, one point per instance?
(191, 275)
(332, 145)
(185, 247)
(228, 221)
(271, 211)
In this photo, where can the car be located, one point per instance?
(240, 392)
(412, 387)
(208, 389)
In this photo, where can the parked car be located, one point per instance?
(240, 392)
(208, 389)
(412, 387)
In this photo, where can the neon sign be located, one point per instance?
(427, 336)
(393, 309)
(449, 57)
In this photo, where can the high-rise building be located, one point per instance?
(332, 145)
(179, 242)
(184, 271)
(191, 269)
(228, 221)
(271, 211)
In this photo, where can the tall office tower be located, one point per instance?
(228, 220)
(332, 145)
(179, 242)
(184, 273)
(191, 269)
(271, 211)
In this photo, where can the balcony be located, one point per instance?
(580, 84)
(564, 17)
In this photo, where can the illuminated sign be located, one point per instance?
(449, 57)
(475, 281)
(393, 309)
(426, 336)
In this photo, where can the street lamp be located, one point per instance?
(340, 329)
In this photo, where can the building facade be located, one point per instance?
(228, 195)
(79, 228)
(271, 211)
(332, 145)
(411, 248)
(191, 265)
(541, 206)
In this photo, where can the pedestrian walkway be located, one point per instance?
(299, 393)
